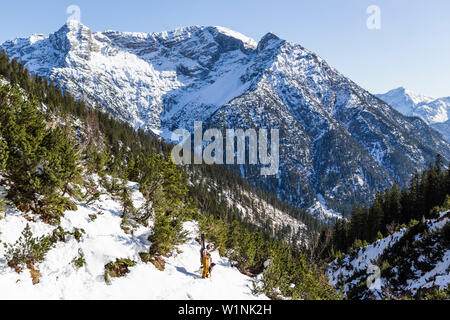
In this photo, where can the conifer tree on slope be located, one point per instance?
(3, 154)
(42, 161)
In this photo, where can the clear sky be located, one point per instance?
(412, 48)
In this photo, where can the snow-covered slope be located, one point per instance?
(104, 241)
(339, 144)
(321, 211)
(262, 214)
(435, 112)
(412, 262)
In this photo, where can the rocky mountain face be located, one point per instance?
(443, 128)
(435, 112)
(338, 143)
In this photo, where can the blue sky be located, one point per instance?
(411, 49)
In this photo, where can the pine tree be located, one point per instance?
(358, 222)
(62, 162)
(3, 153)
(23, 129)
(41, 162)
(447, 179)
(412, 199)
(150, 178)
(170, 207)
(375, 218)
(436, 179)
(95, 160)
(128, 210)
(394, 207)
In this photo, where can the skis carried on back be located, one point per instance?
(203, 241)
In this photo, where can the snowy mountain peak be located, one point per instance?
(74, 25)
(435, 112)
(409, 97)
(73, 36)
(247, 41)
(417, 98)
(266, 40)
(72, 30)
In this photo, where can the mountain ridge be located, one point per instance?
(434, 111)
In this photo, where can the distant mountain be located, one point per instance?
(435, 112)
(339, 143)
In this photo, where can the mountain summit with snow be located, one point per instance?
(135, 75)
(435, 112)
(339, 144)
(404, 100)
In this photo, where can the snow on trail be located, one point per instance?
(105, 241)
(182, 281)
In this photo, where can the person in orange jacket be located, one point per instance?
(207, 260)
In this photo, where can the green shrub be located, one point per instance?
(79, 261)
(444, 207)
(439, 294)
(78, 234)
(117, 269)
(412, 223)
(52, 209)
(145, 257)
(3, 154)
(27, 250)
(2, 205)
(89, 199)
(60, 235)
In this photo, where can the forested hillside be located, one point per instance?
(402, 241)
(395, 208)
(413, 262)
